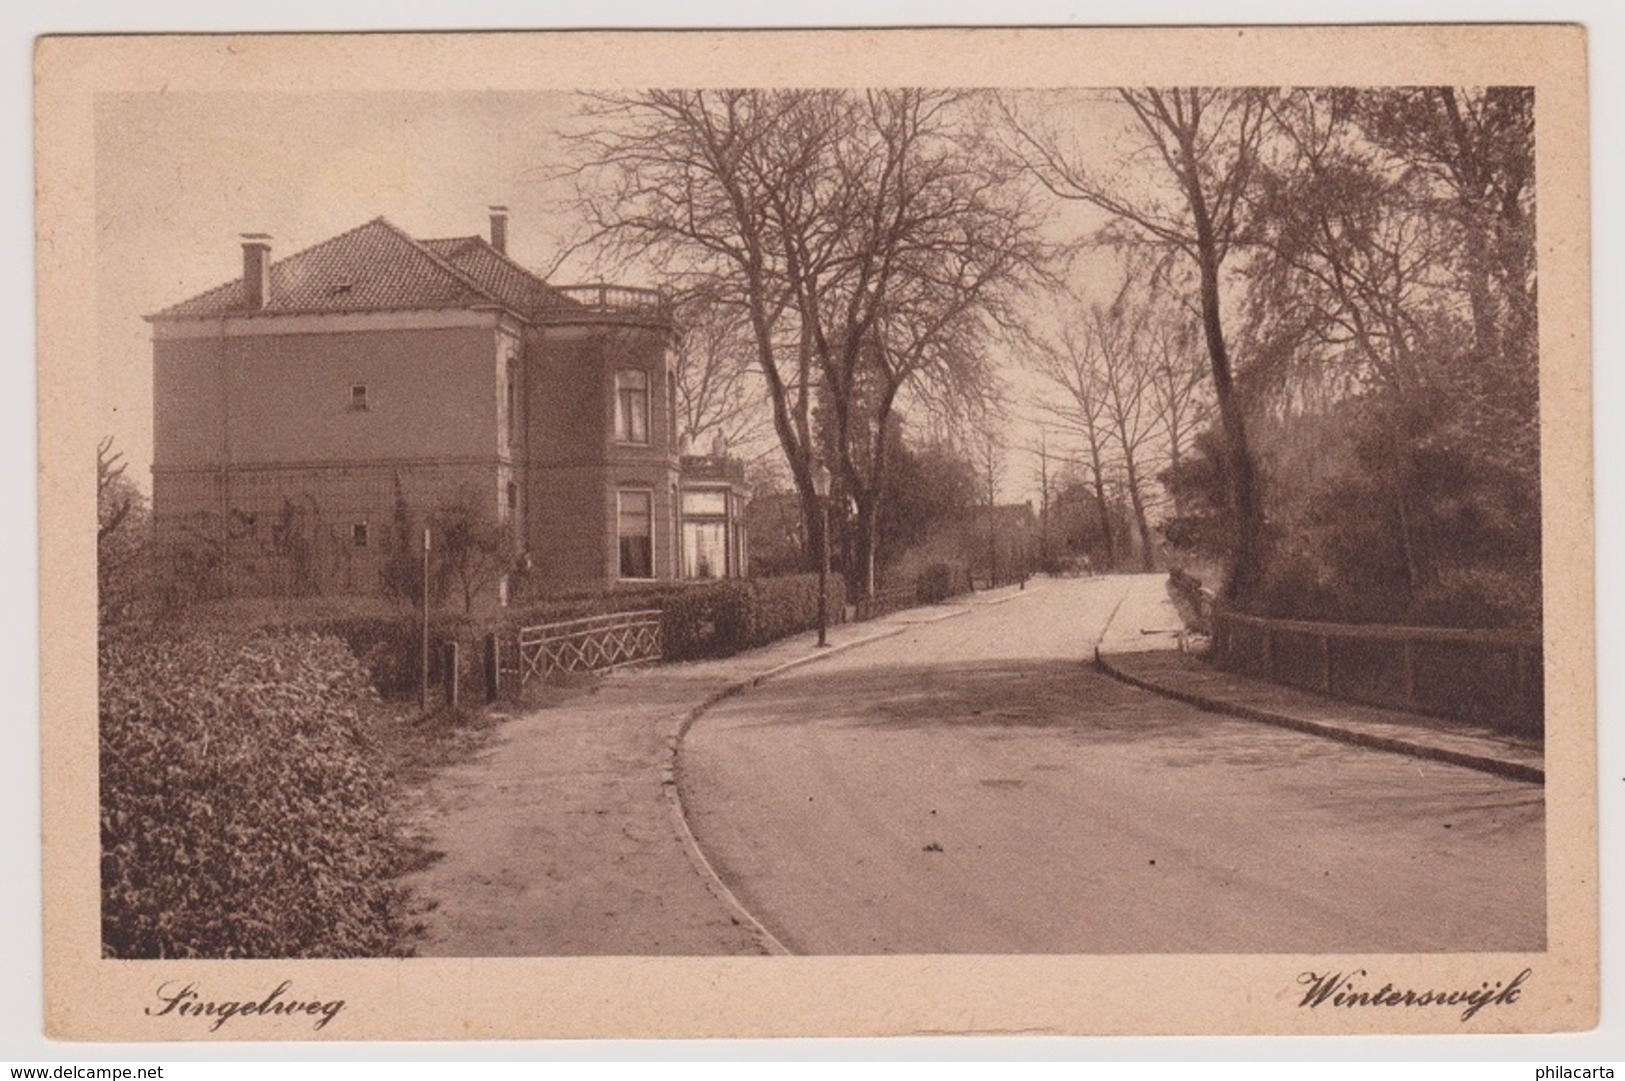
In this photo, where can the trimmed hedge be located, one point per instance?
(721, 618)
(712, 620)
(243, 810)
(789, 605)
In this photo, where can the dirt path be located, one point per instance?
(559, 837)
(558, 840)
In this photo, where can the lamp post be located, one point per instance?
(820, 482)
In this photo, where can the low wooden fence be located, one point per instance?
(592, 644)
(1493, 678)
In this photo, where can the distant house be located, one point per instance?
(301, 407)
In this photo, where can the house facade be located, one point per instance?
(307, 411)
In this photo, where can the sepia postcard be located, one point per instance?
(816, 533)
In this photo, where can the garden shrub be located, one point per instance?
(711, 620)
(721, 618)
(939, 581)
(243, 809)
(787, 605)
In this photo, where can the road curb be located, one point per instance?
(1517, 771)
(670, 785)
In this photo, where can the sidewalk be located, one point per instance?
(558, 835)
(1182, 676)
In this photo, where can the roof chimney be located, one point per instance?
(499, 229)
(257, 270)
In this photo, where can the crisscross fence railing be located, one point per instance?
(591, 644)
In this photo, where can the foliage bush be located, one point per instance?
(712, 620)
(939, 581)
(789, 605)
(718, 619)
(243, 813)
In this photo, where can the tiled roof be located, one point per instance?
(373, 267)
(513, 285)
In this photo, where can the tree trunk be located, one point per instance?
(812, 516)
(1247, 519)
(1138, 503)
(867, 540)
(1106, 531)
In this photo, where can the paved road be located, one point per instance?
(970, 786)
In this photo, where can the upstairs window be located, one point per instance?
(631, 406)
(637, 534)
(358, 397)
(358, 535)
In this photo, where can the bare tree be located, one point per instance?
(1204, 147)
(471, 550)
(1127, 373)
(938, 258)
(1072, 364)
(719, 394)
(114, 494)
(1177, 381)
(721, 191)
(870, 241)
(123, 577)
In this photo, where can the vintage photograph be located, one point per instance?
(971, 522)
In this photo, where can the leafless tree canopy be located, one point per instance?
(872, 246)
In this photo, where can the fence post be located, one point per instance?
(1326, 664)
(1269, 651)
(451, 674)
(493, 668)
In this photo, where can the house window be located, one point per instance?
(513, 496)
(636, 534)
(358, 397)
(631, 406)
(705, 549)
(358, 535)
(705, 535)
